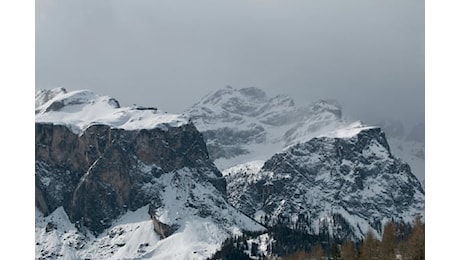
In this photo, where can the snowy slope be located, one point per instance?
(82, 108)
(128, 238)
(243, 125)
(132, 235)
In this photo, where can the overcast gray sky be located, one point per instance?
(367, 54)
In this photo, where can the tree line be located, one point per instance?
(399, 240)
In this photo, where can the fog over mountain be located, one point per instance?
(368, 55)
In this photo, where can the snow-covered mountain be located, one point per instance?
(78, 110)
(242, 125)
(343, 183)
(306, 165)
(117, 182)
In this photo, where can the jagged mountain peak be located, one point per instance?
(248, 93)
(254, 102)
(327, 105)
(282, 99)
(238, 102)
(247, 122)
(346, 184)
(251, 101)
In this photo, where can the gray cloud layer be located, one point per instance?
(367, 54)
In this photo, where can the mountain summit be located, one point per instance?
(241, 125)
(81, 109)
(344, 184)
(117, 182)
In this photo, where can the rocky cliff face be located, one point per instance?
(343, 184)
(98, 175)
(96, 171)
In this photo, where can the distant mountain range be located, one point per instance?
(242, 125)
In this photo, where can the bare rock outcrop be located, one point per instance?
(99, 174)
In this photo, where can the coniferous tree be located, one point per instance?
(416, 242)
(370, 247)
(317, 252)
(349, 251)
(388, 244)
